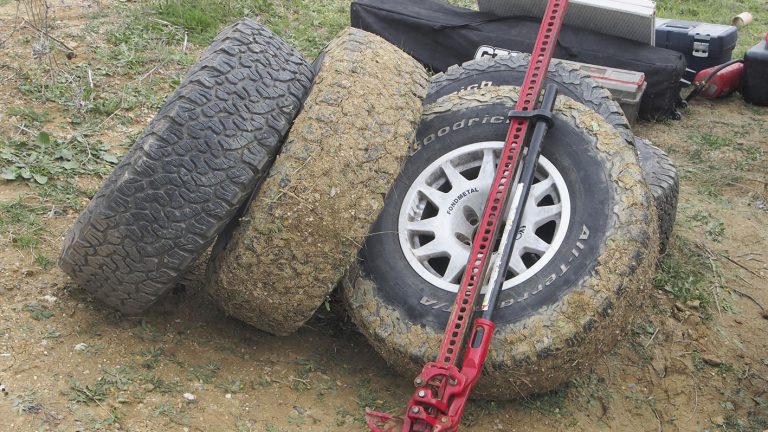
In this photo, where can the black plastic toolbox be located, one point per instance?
(704, 45)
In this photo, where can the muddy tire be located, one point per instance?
(658, 170)
(305, 224)
(510, 71)
(201, 156)
(560, 316)
(661, 174)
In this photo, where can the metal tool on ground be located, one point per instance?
(442, 388)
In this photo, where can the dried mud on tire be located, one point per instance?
(186, 175)
(539, 352)
(661, 174)
(306, 223)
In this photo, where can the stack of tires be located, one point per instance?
(361, 172)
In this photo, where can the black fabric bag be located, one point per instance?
(440, 35)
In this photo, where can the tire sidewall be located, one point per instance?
(573, 153)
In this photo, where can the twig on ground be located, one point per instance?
(47, 35)
(754, 273)
(743, 294)
(651, 339)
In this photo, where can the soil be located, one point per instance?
(69, 363)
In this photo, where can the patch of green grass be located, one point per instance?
(20, 224)
(205, 373)
(720, 12)
(685, 273)
(46, 157)
(369, 396)
(30, 115)
(26, 402)
(270, 427)
(150, 357)
(235, 386)
(716, 231)
(38, 312)
(306, 24)
(146, 332)
(44, 262)
(172, 414)
(88, 394)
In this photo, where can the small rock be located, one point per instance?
(189, 396)
(693, 304)
(148, 387)
(27, 272)
(228, 395)
(679, 307)
(718, 421)
(692, 335)
(334, 191)
(712, 361)
(693, 319)
(54, 213)
(765, 315)
(738, 321)
(299, 410)
(81, 347)
(50, 298)
(2, 389)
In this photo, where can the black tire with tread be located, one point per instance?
(201, 156)
(533, 352)
(661, 175)
(510, 71)
(303, 228)
(658, 170)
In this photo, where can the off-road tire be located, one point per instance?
(201, 156)
(511, 70)
(661, 175)
(658, 170)
(306, 223)
(593, 288)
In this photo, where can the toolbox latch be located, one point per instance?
(701, 45)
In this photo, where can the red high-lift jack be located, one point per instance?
(442, 388)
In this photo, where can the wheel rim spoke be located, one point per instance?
(534, 244)
(434, 196)
(516, 264)
(455, 267)
(433, 249)
(423, 226)
(539, 215)
(488, 167)
(454, 176)
(542, 189)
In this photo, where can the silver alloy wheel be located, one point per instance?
(443, 207)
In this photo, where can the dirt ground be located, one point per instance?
(697, 361)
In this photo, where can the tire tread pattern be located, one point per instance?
(661, 174)
(326, 188)
(183, 179)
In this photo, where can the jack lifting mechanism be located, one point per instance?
(442, 388)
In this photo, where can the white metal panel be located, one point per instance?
(630, 19)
